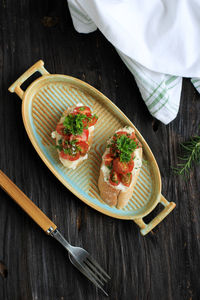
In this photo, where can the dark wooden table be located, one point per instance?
(164, 264)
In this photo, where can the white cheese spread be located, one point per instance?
(55, 135)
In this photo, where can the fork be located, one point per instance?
(79, 257)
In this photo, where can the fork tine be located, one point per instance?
(91, 266)
(97, 266)
(82, 269)
(87, 274)
(95, 283)
(93, 274)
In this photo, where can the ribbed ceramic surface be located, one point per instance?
(45, 108)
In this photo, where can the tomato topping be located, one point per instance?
(118, 134)
(126, 179)
(68, 156)
(84, 110)
(93, 121)
(82, 147)
(85, 122)
(133, 136)
(108, 159)
(65, 138)
(130, 165)
(122, 167)
(83, 137)
(114, 151)
(114, 178)
(60, 128)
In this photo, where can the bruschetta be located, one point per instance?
(121, 163)
(73, 135)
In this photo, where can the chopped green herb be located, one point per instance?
(60, 141)
(82, 108)
(67, 151)
(109, 167)
(73, 142)
(74, 124)
(59, 147)
(126, 146)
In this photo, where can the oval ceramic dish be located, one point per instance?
(42, 105)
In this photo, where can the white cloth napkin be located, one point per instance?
(158, 40)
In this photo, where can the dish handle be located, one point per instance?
(146, 228)
(16, 86)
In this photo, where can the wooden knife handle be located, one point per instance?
(26, 204)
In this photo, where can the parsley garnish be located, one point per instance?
(74, 124)
(68, 151)
(59, 147)
(82, 108)
(109, 167)
(126, 146)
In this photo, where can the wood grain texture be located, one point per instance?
(164, 264)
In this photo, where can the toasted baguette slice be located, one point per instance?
(67, 163)
(114, 196)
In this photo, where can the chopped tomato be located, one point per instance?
(83, 137)
(133, 136)
(122, 167)
(118, 134)
(139, 145)
(114, 178)
(126, 179)
(60, 128)
(84, 110)
(93, 121)
(85, 122)
(108, 159)
(68, 156)
(130, 165)
(82, 147)
(65, 139)
(114, 151)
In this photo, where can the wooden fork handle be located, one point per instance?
(26, 204)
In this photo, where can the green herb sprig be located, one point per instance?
(190, 156)
(74, 124)
(126, 146)
(123, 146)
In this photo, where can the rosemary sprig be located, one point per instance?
(190, 156)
